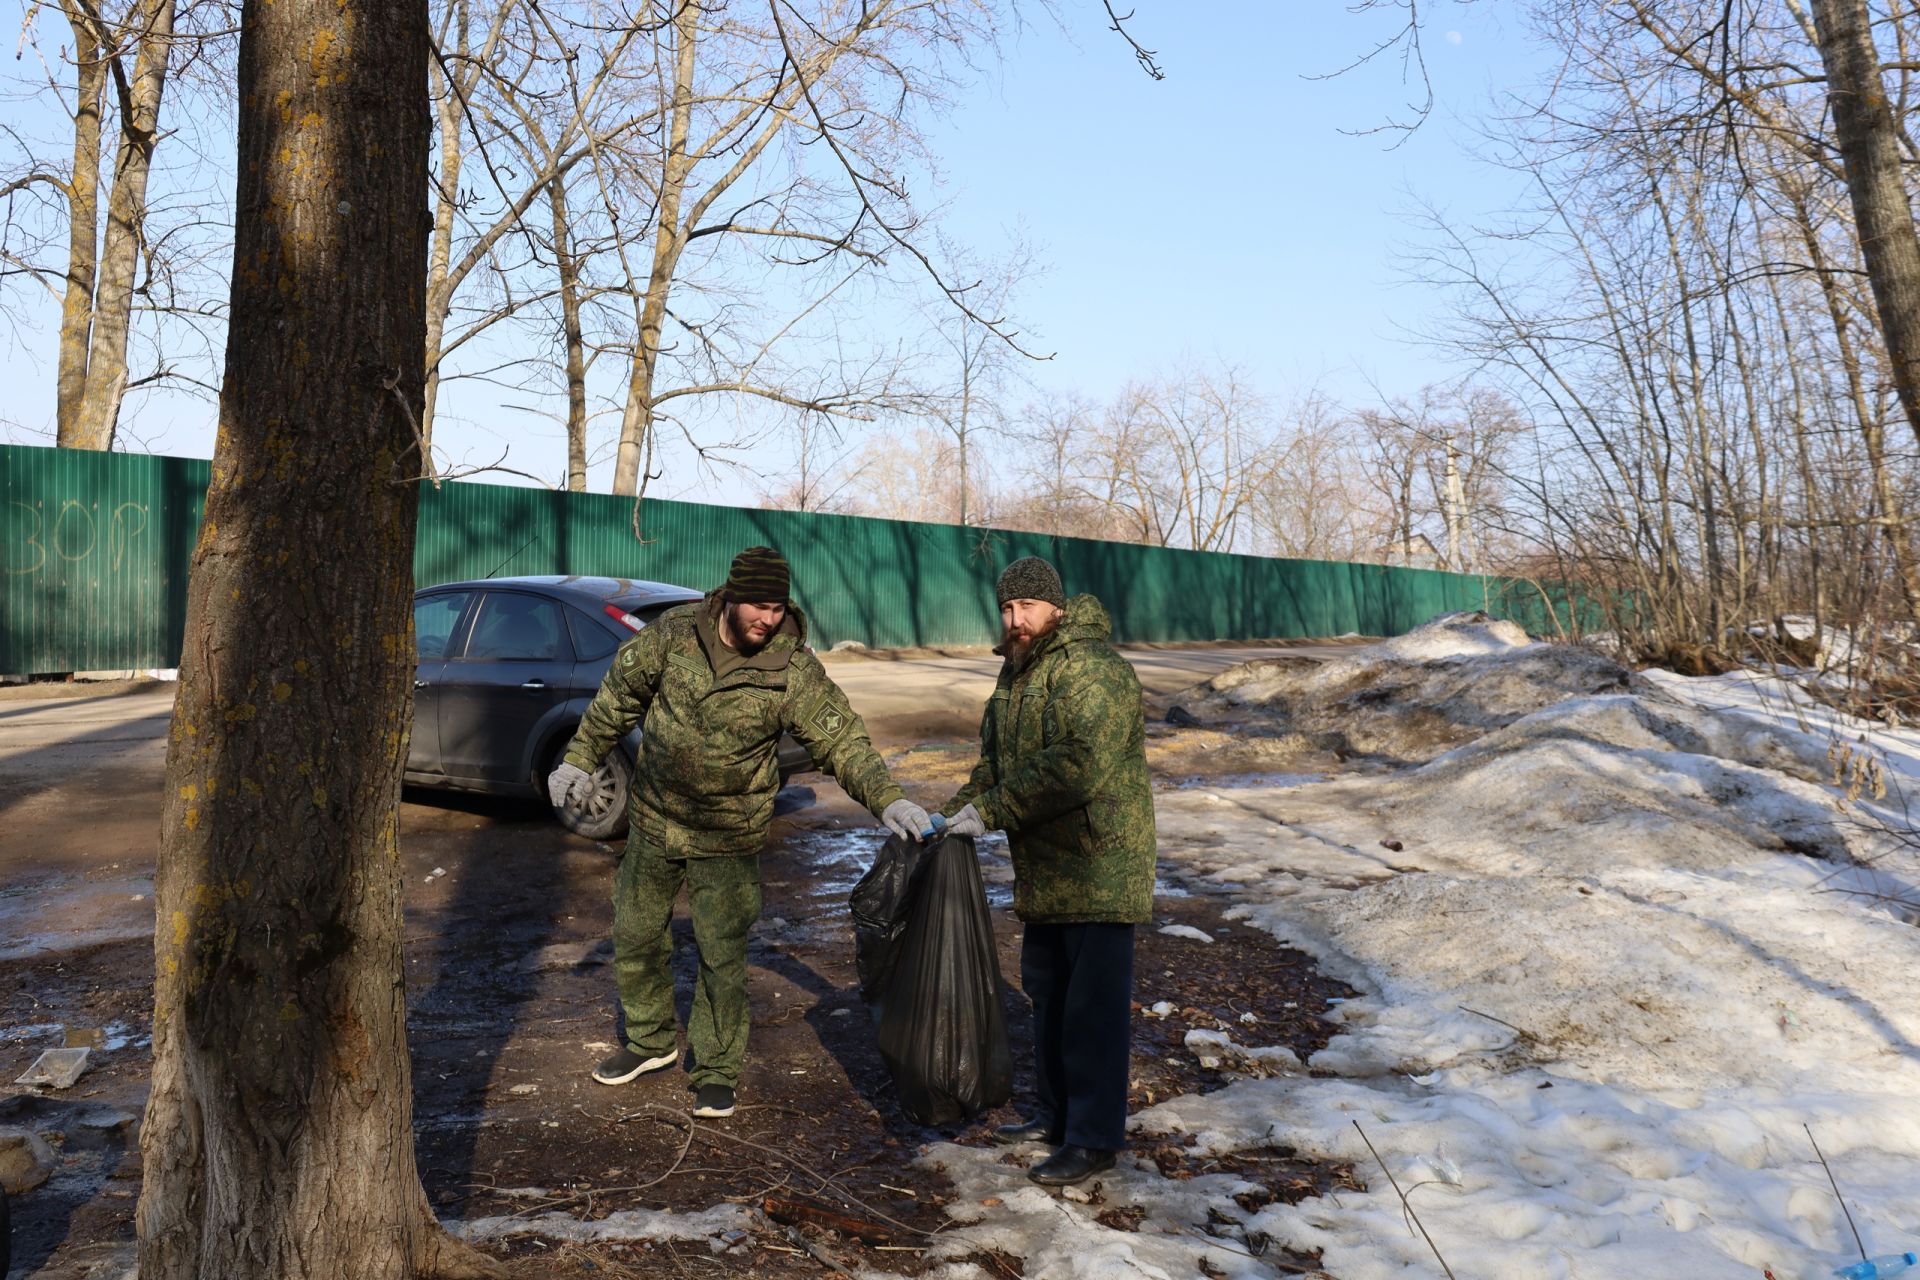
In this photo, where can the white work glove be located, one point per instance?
(566, 782)
(966, 823)
(907, 820)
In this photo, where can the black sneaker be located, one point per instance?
(713, 1101)
(623, 1064)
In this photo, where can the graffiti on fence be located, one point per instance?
(72, 535)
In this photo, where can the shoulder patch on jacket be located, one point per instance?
(827, 721)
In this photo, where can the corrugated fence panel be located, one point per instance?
(98, 545)
(96, 553)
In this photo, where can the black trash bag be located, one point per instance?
(881, 905)
(930, 974)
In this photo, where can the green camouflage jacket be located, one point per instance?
(1063, 771)
(708, 773)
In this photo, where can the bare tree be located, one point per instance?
(134, 287)
(1868, 137)
(278, 1137)
(510, 95)
(769, 159)
(979, 364)
(821, 479)
(1317, 505)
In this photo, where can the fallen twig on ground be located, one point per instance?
(1858, 1242)
(1404, 1205)
(795, 1213)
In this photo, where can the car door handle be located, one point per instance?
(535, 683)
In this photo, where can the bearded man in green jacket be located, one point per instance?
(1063, 771)
(713, 686)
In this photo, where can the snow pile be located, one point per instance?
(1610, 972)
(1417, 695)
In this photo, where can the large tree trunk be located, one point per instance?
(636, 421)
(1868, 139)
(278, 1140)
(126, 217)
(83, 224)
(568, 267)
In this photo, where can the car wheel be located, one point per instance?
(602, 815)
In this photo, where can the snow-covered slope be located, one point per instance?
(1618, 964)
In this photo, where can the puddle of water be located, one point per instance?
(120, 1036)
(34, 1031)
(840, 858)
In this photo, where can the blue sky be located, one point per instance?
(1219, 214)
(1222, 211)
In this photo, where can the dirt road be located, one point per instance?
(511, 999)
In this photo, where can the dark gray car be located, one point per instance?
(507, 667)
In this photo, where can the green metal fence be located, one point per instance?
(96, 550)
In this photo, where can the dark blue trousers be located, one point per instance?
(1080, 979)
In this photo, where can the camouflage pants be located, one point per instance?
(724, 894)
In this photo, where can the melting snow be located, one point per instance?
(1638, 934)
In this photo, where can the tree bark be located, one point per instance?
(278, 1139)
(446, 198)
(83, 224)
(636, 422)
(126, 217)
(568, 268)
(1868, 139)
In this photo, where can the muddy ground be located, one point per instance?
(512, 1003)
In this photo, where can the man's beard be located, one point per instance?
(745, 644)
(1018, 645)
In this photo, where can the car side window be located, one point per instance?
(434, 618)
(590, 639)
(517, 628)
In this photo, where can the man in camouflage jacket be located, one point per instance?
(713, 686)
(1063, 771)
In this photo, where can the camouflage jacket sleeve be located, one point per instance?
(821, 720)
(623, 699)
(984, 772)
(1094, 707)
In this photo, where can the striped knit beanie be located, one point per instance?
(759, 576)
(1031, 578)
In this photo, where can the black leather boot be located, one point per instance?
(1070, 1164)
(1026, 1131)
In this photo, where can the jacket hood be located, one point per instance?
(1086, 620)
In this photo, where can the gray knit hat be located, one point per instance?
(1031, 578)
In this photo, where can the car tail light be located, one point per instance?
(624, 618)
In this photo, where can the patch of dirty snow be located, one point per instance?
(998, 1209)
(1609, 970)
(711, 1225)
(1186, 931)
(1414, 697)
